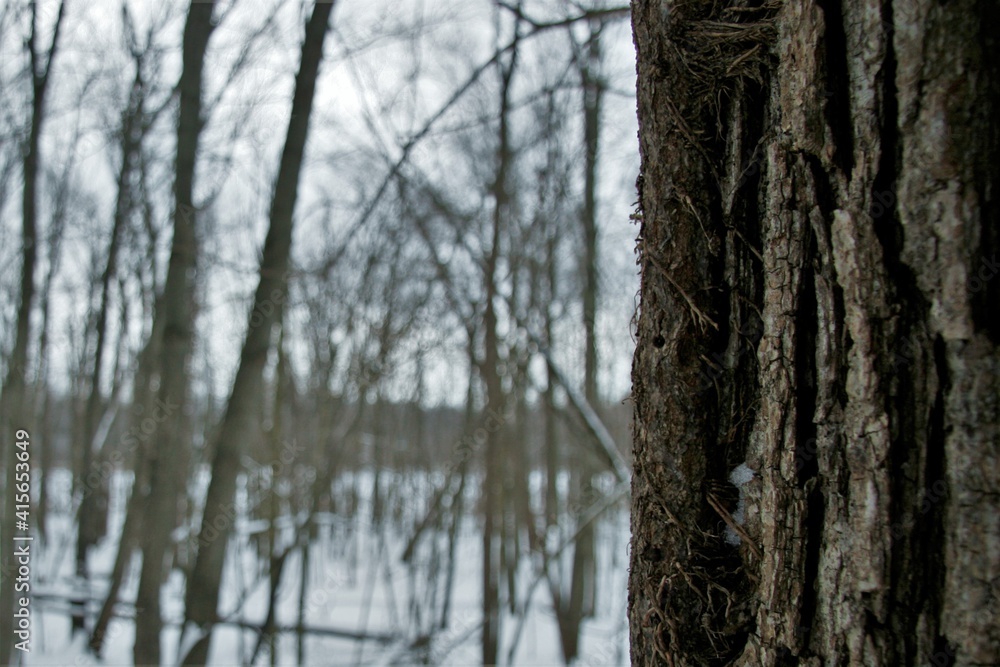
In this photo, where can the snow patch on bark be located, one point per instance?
(740, 476)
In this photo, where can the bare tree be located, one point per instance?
(584, 576)
(176, 308)
(135, 122)
(493, 462)
(13, 408)
(131, 131)
(136, 315)
(203, 586)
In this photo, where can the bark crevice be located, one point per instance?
(867, 410)
(837, 110)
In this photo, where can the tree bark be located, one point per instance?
(135, 122)
(584, 576)
(494, 464)
(819, 243)
(203, 587)
(87, 527)
(176, 308)
(14, 406)
(43, 398)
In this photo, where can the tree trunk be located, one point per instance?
(493, 464)
(816, 368)
(88, 526)
(584, 576)
(43, 399)
(14, 406)
(142, 394)
(550, 409)
(203, 588)
(176, 308)
(134, 124)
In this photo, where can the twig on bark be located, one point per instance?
(737, 528)
(697, 315)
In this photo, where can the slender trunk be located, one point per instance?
(493, 461)
(126, 545)
(584, 574)
(276, 566)
(592, 93)
(459, 497)
(203, 588)
(551, 421)
(176, 308)
(523, 467)
(44, 411)
(816, 367)
(140, 461)
(43, 450)
(306, 545)
(13, 404)
(491, 481)
(87, 528)
(269, 502)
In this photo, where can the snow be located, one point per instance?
(355, 582)
(740, 476)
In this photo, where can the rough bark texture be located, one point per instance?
(819, 246)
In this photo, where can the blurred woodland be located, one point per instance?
(318, 319)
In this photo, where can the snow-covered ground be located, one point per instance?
(356, 582)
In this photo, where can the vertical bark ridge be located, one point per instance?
(873, 413)
(947, 91)
(837, 110)
(698, 326)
